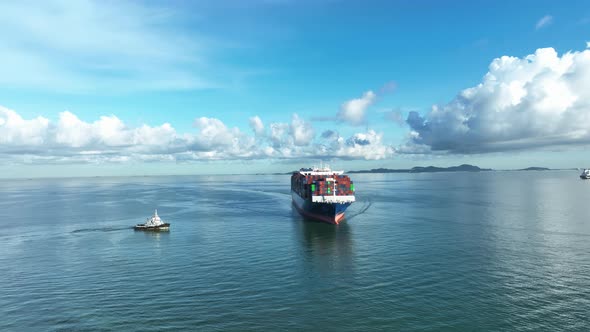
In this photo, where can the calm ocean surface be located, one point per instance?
(446, 251)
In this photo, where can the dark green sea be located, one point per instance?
(490, 251)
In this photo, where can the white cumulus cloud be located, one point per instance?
(365, 145)
(213, 132)
(279, 134)
(354, 110)
(257, 125)
(70, 139)
(16, 131)
(216, 141)
(109, 132)
(540, 100)
(301, 131)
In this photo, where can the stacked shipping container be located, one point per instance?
(320, 185)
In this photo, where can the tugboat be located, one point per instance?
(153, 224)
(585, 174)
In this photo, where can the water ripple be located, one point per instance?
(493, 251)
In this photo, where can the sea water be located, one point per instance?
(442, 251)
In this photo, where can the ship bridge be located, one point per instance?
(324, 170)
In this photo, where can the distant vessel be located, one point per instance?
(153, 224)
(322, 194)
(585, 174)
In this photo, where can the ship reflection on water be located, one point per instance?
(325, 247)
(157, 237)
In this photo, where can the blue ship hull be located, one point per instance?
(331, 213)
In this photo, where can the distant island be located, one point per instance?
(428, 169)
(535, 169)
(434, 169)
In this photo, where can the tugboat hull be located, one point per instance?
(142, 227)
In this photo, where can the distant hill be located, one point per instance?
(431, 169)
(382, 170)
(535, 169)
(428, 169)
(460, 168)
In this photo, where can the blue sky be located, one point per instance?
(326, 80)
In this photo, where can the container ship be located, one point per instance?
(322, 194)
